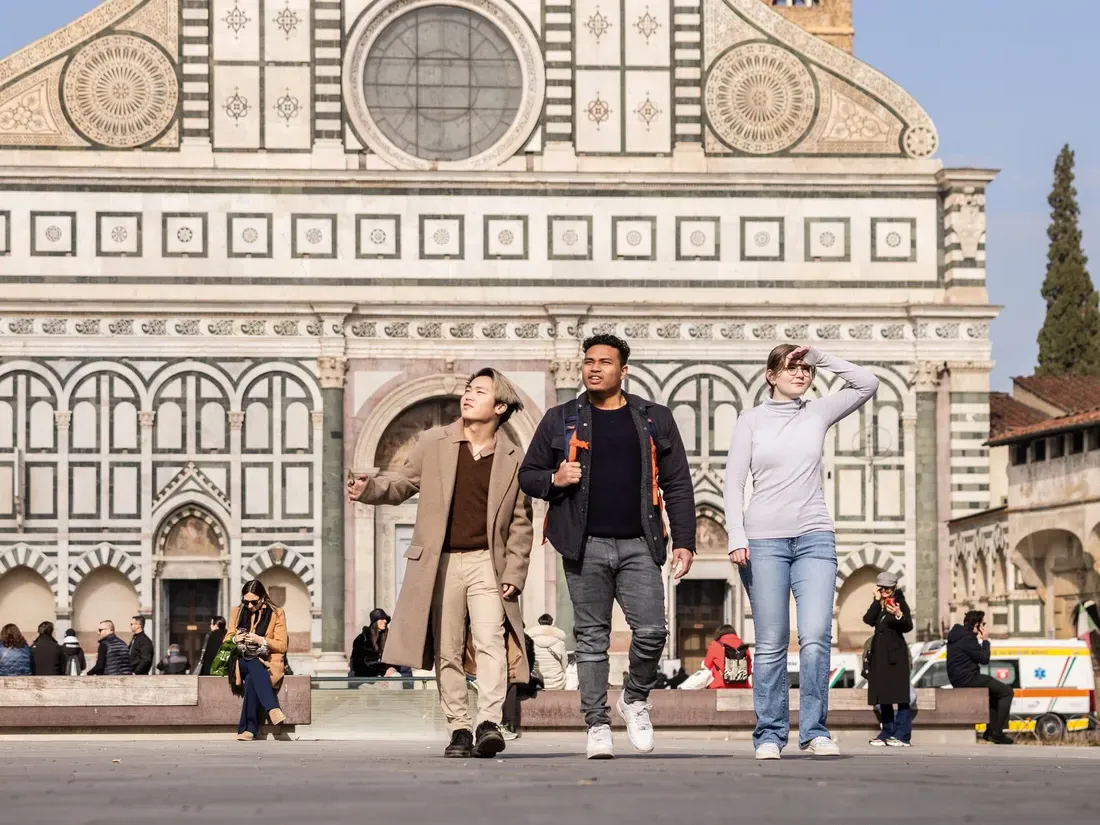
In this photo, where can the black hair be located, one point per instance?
(973, 618)
(255, 587)
(607, 340)
(219, 621)
(45, 629)
(724, 630)
(546, 619)
(140, 620)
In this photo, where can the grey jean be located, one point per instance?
(610, 570)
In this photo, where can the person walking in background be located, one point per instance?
(47, 658)
(366, 650)
(141, 648)
(113, 656)
(214, 640)
(174, 663)
(888, 662)
(604, 461)
(551, 658)
(786, 542)
(467, 563)
(258, 628)
(75, 662)
(729, 661)
(967, 651)
(15, 655)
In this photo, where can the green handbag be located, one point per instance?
(220, 665)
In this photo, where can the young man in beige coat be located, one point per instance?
(467, 562)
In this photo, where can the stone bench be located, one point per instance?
(941, 713)
(134, 704)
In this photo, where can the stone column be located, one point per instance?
(332, 659)
(926, 381)
(63, 609)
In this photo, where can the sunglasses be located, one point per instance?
(252, 602)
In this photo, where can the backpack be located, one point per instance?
(736, 667)
(570, 412)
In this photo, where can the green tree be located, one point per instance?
(1069, 342)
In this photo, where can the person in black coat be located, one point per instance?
(141, 648)
(888, 663)
(75, 661)
(211, 645)
(368, 647)
(47, 657)
(967, 651)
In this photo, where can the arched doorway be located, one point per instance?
(26, 600)
(856, 595)
(288, 592)
(192, 561)
(104, 594)
(1066, 576)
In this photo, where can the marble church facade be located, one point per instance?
(248, 244)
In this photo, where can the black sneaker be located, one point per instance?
(1001, 739)
(489, 742)
(461, 746)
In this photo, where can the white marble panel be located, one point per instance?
(570, 237)
(699, 238)
(256, 427)
(236, 25)
(850, 497)
(647, 32)
(257, 487)
(53, 234)
(505, 237)
(84, 428)
(893, 240)
(184, 235)
(313, 236)
(649, 112)
(219, 476)
(169, 426)
(7, 425)
(598, 111)
(7, 491)
(379, 236)
(296, 494)
(5, 233)
(762, 239)
(828, 239)
(212, 427)
(597, 32)
(287, 30)
(441, 237)
(84, 491)
(888, 492)
(1029, 618)
(237, 107)
(297, 426)
(43, 484)
(118, 234)
(634, 238)
(288, 121)
(42, 425)
(124, 433)
(124, 491)
(250, 236)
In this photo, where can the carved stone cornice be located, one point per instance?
(566, 372)
(926, 375)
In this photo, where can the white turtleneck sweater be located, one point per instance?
(780, 443)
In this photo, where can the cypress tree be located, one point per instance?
(1069, 342)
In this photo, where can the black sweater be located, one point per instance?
(965, 655)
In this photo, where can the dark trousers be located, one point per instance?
(611, 570)
(259, 696)
(898, 727)
(513, 712)
(1000, 702)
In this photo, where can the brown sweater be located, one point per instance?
(468, 527)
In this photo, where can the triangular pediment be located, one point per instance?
(772, 88)
(51, 91)
(194, 480)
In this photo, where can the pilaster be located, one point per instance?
(332, 371)
(926, 381)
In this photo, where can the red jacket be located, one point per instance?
(715, 661)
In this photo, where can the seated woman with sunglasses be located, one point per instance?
(259, 630)
(785, 540)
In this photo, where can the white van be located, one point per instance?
(1053, 680)
(843, 670)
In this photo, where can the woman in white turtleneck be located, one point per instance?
(784, 541)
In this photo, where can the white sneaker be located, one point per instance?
(823, 746)
(768, 750)
(638, 727)
(600, 744)
(877, 743)
(897, 743)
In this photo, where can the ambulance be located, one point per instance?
(843, 669)
(1053, 681)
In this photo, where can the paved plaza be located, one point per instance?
(540, 780)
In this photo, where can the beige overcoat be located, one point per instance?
(430, 471)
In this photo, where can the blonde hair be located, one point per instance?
(504, 392)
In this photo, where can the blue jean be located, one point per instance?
(805, 565)
(898, 726)
(258, 695)
(611, 570)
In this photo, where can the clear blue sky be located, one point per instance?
(1007, 82)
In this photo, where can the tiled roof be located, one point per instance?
(1072, 393)
(1051, 426)
(1006, 413)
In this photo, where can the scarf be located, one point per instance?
(250, 623)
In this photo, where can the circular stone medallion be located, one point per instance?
(760, 98)
(120, 91)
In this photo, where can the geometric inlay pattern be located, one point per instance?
(760, 98)
(120, 91)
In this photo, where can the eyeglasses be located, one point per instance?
(795, 369)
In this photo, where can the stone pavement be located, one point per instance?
(540, 780)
